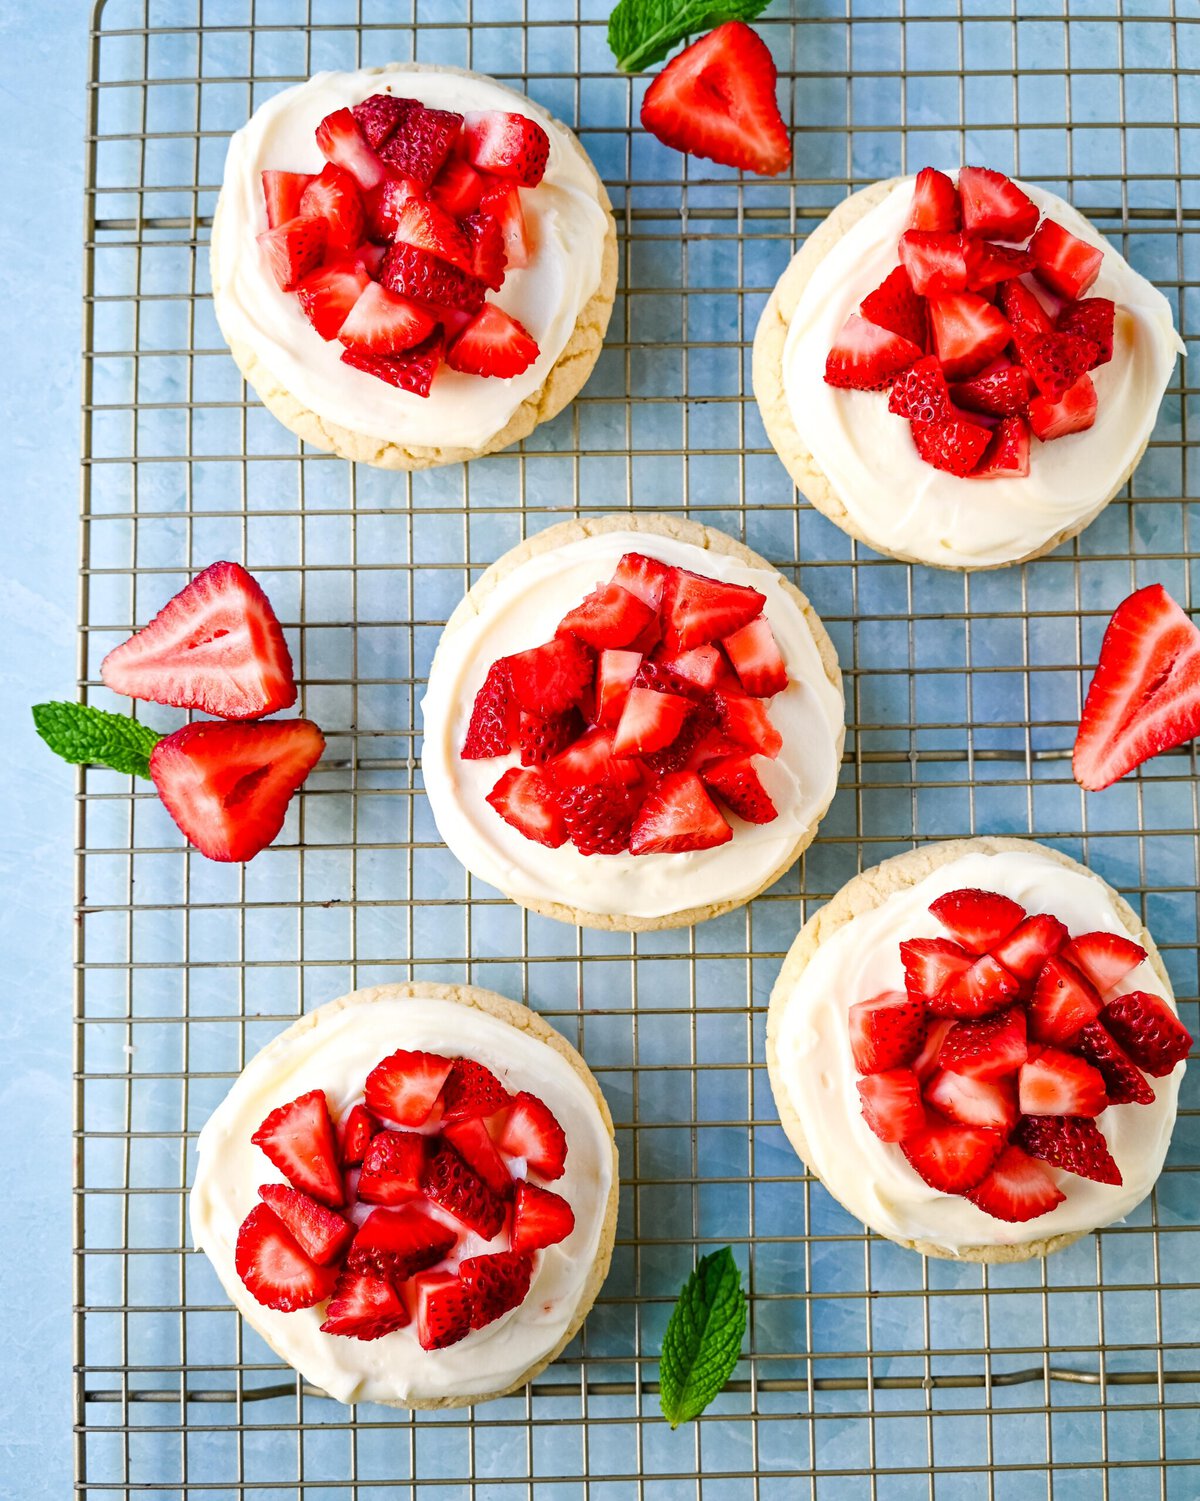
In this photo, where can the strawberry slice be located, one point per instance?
(986, 987)
(1124, 1082)
(1071, 1142)
(357, 1131)
(1092, 318)
(936, 262)
(216, 646)
(540, 1218)
(993, 206)
(609, 617)
(495, 1284)
(968, 332)
(485, 236)
(529, 1130)
(539, 738)
(895, 306)
(1018, 1189)
(471, 1091)
(746, 721)
(1148, 1030)
(432, 229)
(383, 206)
(274, 1268)
(935, 203)
(930, 964)
(988, 1049)
(1056, 362)
(282, 192)
(928, 1059)
(379, 115)
(920, 393)
(293, 249)
(405, 1086)
(451, 1185)
(716, 100)
(955, 445)
(458, 188)
(506, 145)
(1052, 1082)
(1007, 454)
(643, 576)
(1004, 391)
(658, 676)
(977, 920)
(972, 1101)
(493, 727)
(757, 659)
(364, 1307)
(737, 784)
(392, 1168)
(952, 1158)
(598, 815)
(412, 371)
(549, 679)
(473, 1143)
(503, 203)
(1075, 413)
(443, 1309)
(421, 141)
(698, 610)
(398, 1243)
(678, 815)
(328, 294)
(615, 672)
(1062, 262)
(865, 357)
(333, 195)
(383, 322)
(299, 1140)
(343, 143)
(1145, 696)
(891, 1103)
(703, 667)
(1105, 958)
(988, 264)
(416, 273)
(590, 761)
(886, 1031)
(1030, 944)
(228, 786)
(321, 1233)
(1023, 310)
(649, 721)
(1062, 1002)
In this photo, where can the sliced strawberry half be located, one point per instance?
(737, 784)
(1124, 1082)
(398, 1243)
(1007, 454)
(506, 145)
(678, 815)
(1092, 318)
(503, 203)
(343, 143)
(1062, 1002)
(421, 141)
(757, 659)
(364, 1307)
(328, 295)
(493, 726)
(978, 991)
(1062, 262)
(930, 964)
(450, 1184)
(1003, 391)
(615, 672)
(649, 721)
(747, 721)
(443, 1309)
(299, 1140)
(1105, 958)
(936, 262)
(977, 920)
(282, 192)
(955, 445)
(360, 1125)
(1052, 1082)
(293, 249)
(405, 1086)
(993, 207)
(935, 203)
(529, 1130)
(968, 333)
(411, 371)
(496, 1284)
(866, 357)
(891, 1103)
(471, 1091)
(1019, 1188)
(1071, 1142)
(334, 196)
(643, 576)
(1148, 1030)
(383, 322)
(952, 1158)
(424, 277)
(1075, 413)
(392, 1168)
(990, 1049)
(697, 610)
(274, 1268)
(321, 1233)
(1030, 944)
(551, 678)
(972, 1101)
(473, 1143)
(609, 617)
(895, 305)
(921, 393)
(540, 1218)
(886, 1031)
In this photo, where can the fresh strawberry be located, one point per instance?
(1056, 361)
(506, 145)
(609, 617)
(378, 116)
(921, 393)
(432, 229)
(496, 1284)
(955, 445)
(716, 100)
(927, 1061)
(299, 1140)
(343, 143)
(935, 203)
(1003, 391)
(328, 294)
(993, 206)
(392, 1168)
(936, 262)
(978, 991)
(405, 1086)
(1092, 318)
(443, 1309)
(364, 1307)
(416, 273)
(473, 1143)
(1145, 696)
(357, 1131)
(891, 1103)
(615, 672)
(398, 1243)
(952, 1158)
(530, 1131)
(451, 1185)
(293, 249)
(968, 332)
(747, 721)
(930, 964)
(703, 667)
(228, 786)
(1063, 263)
(736, 783)
(1018, 1188)
(549, 679)
(1052, 1082)
(1075, 413)
(485, 235)
(471, 1091)
(274, 1268)
(1007, 453)
(1071, 1142)
(895, 306)
(598, 815)
(383, 322)
(1062, 1002)
(865, 357)
(383, 206)
(660, 678)
(643, 576)
(540, 738)
(699, 745)
(493, 727)
(1124, 1082)
(333, 195)
(678, 815)
(590, 761)
(321, 1233)
(977, 920)
(1148, 1030)
(1105, 958)
(540, 1218)
(757, 659)
(421, 142)
(886, 1031)
(1030, 944)
(216, 646)
(282, 192)
(411, 371)
(972, 1101)
(989, 1049)
(1023, 310)
(988, 264)
(503, 203)
(458, 188)
(697, 610)
(648, 721)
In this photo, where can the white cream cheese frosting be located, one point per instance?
(523, 611)
(868, 454)
(815, 1065)
(336, 1055)
(567, 226)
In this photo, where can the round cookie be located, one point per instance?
(562, 384)
(680, 530)
(864, 894)
(306, 1030)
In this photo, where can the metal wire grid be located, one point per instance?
(869, 1372)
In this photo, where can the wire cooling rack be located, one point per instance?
(868, 1371)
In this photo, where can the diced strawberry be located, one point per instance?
(977, 920)
(737, 784)
(662, 679)
(935, 262)
(927, 1061)
(886, 1031)
(1145, 696)
(649, 721)
(747, 721)
(1071, 1142)
(757, 659)
(1023, 310)
(328, 294)
(1007, 454)
(379, 115)
(955, 445)
(972, 1101)
(989, 1049)
(542, 737)
(921, 393)
(1004, 391)
(988, 264)
(343, 143)
(398, 1243)
(549, 679)
(495, 1284)
(1075, 413)
(993, 206)
(1148, 1030)
(443, 1309)
(703, 666)
(540, 1218)
(416, 273)
(967, 331)
(598, 815)
(935, 203)
(299, 1140)
(282, 192)
(493, 343)
(405, 1086)
(678, 815)
(609, 617)
(506, 145)
(523, 798)
(930, 964)
(392, 1168)
(1052, 1082)
(504, 205)
(866, 357)
(697, 610)
(333, 195)
(1062, 1002)
(1018, 1189)
(1105, 958)
(615, 672)
(952, 1158)
(716, 99)
(529, 1130)
(473, 1143)
(432, 229)
(1030, 944)
(1124, 1082)
(891, 1103)
(485, 235)
(697, 746)
(421, 141)
(458, 188)
(590, 761)
(1092, 318)
(493, 727)
(451, 1185)
(1063, 263)
(1056, 362)
(293, 249)
(642, 576)
(986, 987)
(321, 1233)
(895, 306)
(383, 205)
(357, 1131)
(471, 1091)
(384, 322)
(364, 1307)
(412, 371)
(274, 1268)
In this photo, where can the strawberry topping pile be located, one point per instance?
(419, 1205)
(641, 720)
(984, 332)
(392, 247)
(989, 1069)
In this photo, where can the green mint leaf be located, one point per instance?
(641, 32)
(91, 737)
(703, 1339)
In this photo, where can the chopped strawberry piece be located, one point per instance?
(473, 1143)
(392, 1168)
(678, 815)
(416, 273)
(364, 1307)
(549, 679)
(956, 446)
(397, 1243)
(485, 235)
(928, 1059)
(737, 784)
(1062, 1002)
(747, 721)
(1071, 1142)
(412, 371)
(697, 610)
(343, 143)
(321, 1233)
(1030, 944)
(378, 116)
(1007, 454)
(523, 799)
(1052, 1082)
(357, 1132)
(935, 203)
(1075, 413)
(649, 721)
(1023, 310)
(895, 306)
(985, 987)
(384, 323)
(703, 667)
(662, 679)
(977, 920)
(333, 195)
(493, 343)
(989, 1049)
(598, 815)
(993, 205)
(432, 229)
(865, 357)
(952, 1158)
(642, 576)
(299, 1140)
(988, 264)
(891, 1103)
(328, 294)
(609, 617)
(1105, 958)
(405, 1086)
(495, 1284)
(506, 145)
(716, 99)
(1056, 362)
(590, 761)
(504, 205)
(541, 738)
(1004, 391)
(615, 672)
(293, 249)
(886, 1031)
(443, 1309)
(458, 188)
(697, 746)
(930, 964)
(274, 1268)
(1148, 1030)
(540, 1218)
(1063, 263)
(1145, 696)
(757, 659)
(968, 332)
(1124, 1082)
(1019, 1188)
(1093, 319)
(451, 1185)
(471, 1091)
(493, 725)
(383, 205)
(530, 1131)
(972, 1101)
(921, 393)
(282, 192)
(935, 262)
(421, 141)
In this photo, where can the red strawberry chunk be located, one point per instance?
(1062, 1002)
(540, 738)
(989, 264)
(507, 145)
(930, 964)
(1052, 1082)
(935, 203)
(1093, 319)
(342, 142)
(1071, 1142)
(493, 725)
(471, 1091)
(443, 1309)
(968, 332)
(921, 393)
(298, 1138)
(993, 205)
(757, 659)
(986, 987)
(274, 1268)
(540, 1218)
(1148, 1030)
(935, 262)
(383, 205)
(590, 761)
(529, 1130)
(698, 610)
(697, 746)
(662, 679)
(895, 306)
(1056, 362)
(392, 1168)
(378, 116)
(523, 798)
(495, 1284)
(424, 277)
(549, 679)
(1105, 958)
(328, 294)
(451, 1185)
(321, 1233)
(955, 446)
(649, 721)
(1023, 310)
(737, 784)
(405, 1086)
(972, 1101)
(977, 920)
(866, 357)
(1124, 1082)
(473, 1143)
(1063, 263)
(398, 1243)
(1003, 391)
(293, 249)
(987, 1050)
(678, 815)
(282, 192)
(1075, 413)
(1030, 944)
(485, 235)
(1007, 454)
(952, 1158)
(432, 229)
(383, 322)
(458, 188)
(928, 1059)
(364, 1307)
(702, 666)
(609, 617)
(643, 576)
(421, 141)
(747, 721)
(333, 195)
(891, 1103)
(886, 1031)
(615, 672)
(1018, 1189)
(503, 204)
(357, 1132)
(411, 371)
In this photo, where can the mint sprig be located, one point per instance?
(92, 737)
(703, 1339)
(641, 32)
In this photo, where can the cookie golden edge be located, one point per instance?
(863, 894)
(523, 1019)
(711, 540)
(565, 379)
(767, 376)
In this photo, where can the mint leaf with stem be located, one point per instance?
(703, 1339)
(641, 32)
(93, 737)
